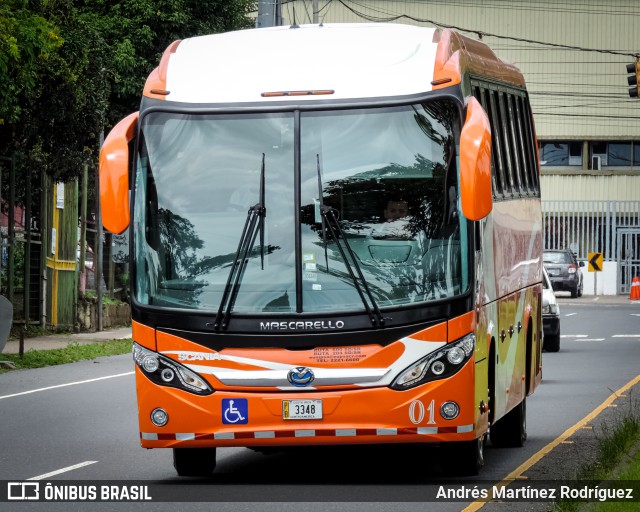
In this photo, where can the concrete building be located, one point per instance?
(573, 55)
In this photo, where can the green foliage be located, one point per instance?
(71, 69)
(72, 353)
(613, 448)
(106, 299)
(27, 41)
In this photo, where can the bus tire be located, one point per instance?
(194, 461)
(464, 458)
(511, 430)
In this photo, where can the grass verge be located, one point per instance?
(614, 447)
(72, 353)
(631, 473)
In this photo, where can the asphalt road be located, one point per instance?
(83, 416)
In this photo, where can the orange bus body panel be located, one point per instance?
(114, 175)
(475, 163)
(351, 414)
(461, 326)
(458, 55)
(156, 84)
(144, 335)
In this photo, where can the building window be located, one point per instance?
(619, 154)
(560, 154)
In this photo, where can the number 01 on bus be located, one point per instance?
(342, 251)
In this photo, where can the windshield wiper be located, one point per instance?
(253, 224)
(330, 220)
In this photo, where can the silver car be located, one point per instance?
(550, 316)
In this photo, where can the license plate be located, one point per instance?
(302, 409)
(553, 272)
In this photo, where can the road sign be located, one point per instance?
(595, 262)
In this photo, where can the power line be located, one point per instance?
(577, 95)
(480, 33)
(532, 6)
(599, 116)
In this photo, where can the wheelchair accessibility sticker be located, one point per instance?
(235, 411)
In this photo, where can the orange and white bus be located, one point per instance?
(336, 239)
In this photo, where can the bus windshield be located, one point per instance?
(374, 207)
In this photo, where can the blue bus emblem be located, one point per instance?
(301, 376)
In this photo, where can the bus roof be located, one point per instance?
(340, 61)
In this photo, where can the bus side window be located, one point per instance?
(523, 148)
(495, 176)
(498, 144)
(530, 142)
(507, 145)
(516, 147)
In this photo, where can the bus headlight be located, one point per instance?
(455, 355)
(167, 372)
(440, 364)
(150, 364)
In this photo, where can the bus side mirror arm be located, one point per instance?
(114, 175)
(475, 163)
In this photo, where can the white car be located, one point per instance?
(550, 316)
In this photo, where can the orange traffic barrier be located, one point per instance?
(635, 289)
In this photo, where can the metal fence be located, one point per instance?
(588, 226)
(608, 227)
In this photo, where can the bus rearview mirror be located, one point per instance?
(114, 175)
(475, 163)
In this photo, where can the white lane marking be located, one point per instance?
(592, 339)
(626, 336)
(65, 385)
(574, 335)
(635, 314)
(63, 470)
(570, 314)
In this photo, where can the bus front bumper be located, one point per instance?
(354, 416)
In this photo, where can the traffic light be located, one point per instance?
(634, 78)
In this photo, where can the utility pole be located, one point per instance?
(315, 12)
(97, 255)
(269, 13)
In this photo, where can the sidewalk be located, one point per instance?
(52, 341)
(605, 300)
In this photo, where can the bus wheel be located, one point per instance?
(511, 430)
(194, 461)
(463, 458)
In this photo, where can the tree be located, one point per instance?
(26, 40)
(138, 31)
(73, 68)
